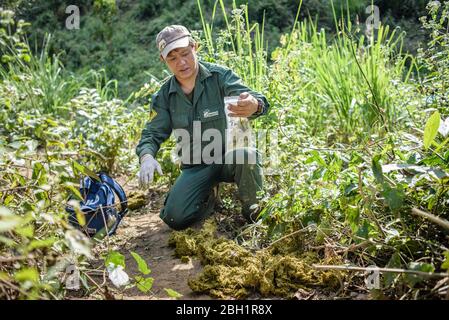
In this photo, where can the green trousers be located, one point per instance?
(190, 199)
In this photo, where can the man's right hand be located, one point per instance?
(147, 166)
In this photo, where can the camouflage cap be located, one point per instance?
(172, 37)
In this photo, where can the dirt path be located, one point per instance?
(143, 232)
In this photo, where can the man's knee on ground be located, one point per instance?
(176, 217)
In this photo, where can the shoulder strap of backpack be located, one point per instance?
(118, 190)
(122, 197)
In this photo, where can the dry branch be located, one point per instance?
(441, 222)
(383, 270)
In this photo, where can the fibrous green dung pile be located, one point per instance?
(231, 271)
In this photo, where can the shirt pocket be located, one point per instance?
(212, 116)
(180, 118)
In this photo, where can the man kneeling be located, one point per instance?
(190, 103)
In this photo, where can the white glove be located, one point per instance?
(147, 166)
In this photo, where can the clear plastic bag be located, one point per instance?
(238, 133)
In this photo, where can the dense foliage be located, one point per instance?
(119, 36)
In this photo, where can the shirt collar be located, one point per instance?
(203, 73)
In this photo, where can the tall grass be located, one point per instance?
(43, 84)
(355, 77)
(351, 79)
(38, 79)
(240, 46)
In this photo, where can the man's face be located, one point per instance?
(182, 62)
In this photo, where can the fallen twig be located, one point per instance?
(441, 222)
(14, 287)
(12, 259)
(354, 247)
(15, 188)
(288, 235)
(383, 270)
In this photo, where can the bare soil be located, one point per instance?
(143, 232)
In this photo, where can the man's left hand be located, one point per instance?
(245, 107)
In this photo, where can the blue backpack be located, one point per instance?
(98, 206)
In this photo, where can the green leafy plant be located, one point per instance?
(142, 281)
(435, 57)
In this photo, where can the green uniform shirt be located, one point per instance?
(175, 111)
